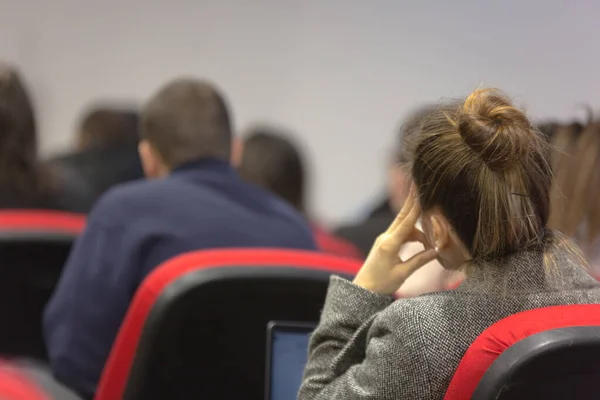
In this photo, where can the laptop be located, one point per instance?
(287, 353)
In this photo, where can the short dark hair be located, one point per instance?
(103, 126)
(273, 161)
(186, 120)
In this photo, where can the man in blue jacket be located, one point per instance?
(195, 202)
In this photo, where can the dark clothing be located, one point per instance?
(10, 199)
(364, 233)
(58, 196)
(369, 347)
(134, 228)
(99, 169)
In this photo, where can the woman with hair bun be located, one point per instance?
(482, 192)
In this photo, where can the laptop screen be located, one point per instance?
(288, 356)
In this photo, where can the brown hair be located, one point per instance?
(273, 161)
(186, 120)
(410, 126)
(102, 127)
(19, 166)
(484, 165)
(562, 146)
(576, 189)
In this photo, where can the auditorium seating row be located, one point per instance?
(196, 326)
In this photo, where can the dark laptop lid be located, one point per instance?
(287, 353)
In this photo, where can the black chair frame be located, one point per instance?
(554, 364)
(248, 284)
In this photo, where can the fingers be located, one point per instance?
(403, 229)
(412, 217)
(418, 236)
(417, 261)
(406, 208)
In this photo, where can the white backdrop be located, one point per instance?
(341, 73)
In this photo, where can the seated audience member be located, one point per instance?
(196, 202)
(23, 182)
(576, 191)
(106, 153)
(364, 232)
(430, 278)
(482, 190)
(273, 161)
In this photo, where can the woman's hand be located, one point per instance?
(383, 271)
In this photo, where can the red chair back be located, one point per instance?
(15, 385)
(40, 221)
(507, 332)
(211, 308)
(34, 245)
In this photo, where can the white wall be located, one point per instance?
(340, 72)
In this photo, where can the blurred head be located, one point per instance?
(547, 129)
(272, 161)
(483, 180)
(19, 169)
(562, 148)
(105, 127)
(576, 189)
(185, 121)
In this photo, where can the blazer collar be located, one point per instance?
(528, 272)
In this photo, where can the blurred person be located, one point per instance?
(430, 278)
(106, 152)
(576, 189)
(547, 128)
(274, 162)
(193, 201)
(482, 191)
(562, 141)
(363, 232)
(24, 183)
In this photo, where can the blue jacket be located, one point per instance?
(134, 228)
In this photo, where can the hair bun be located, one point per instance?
(494, 129)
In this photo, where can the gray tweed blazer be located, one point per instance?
(369, 347)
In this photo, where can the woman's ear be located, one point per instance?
(440, 230)
(451, 253)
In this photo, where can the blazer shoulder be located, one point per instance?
(415, 313)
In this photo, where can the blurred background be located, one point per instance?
(340, 73)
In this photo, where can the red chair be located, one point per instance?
(547, 350)
(40, 223)
(34, 246)
(196, 327)
(26, 380)
(15, 385)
